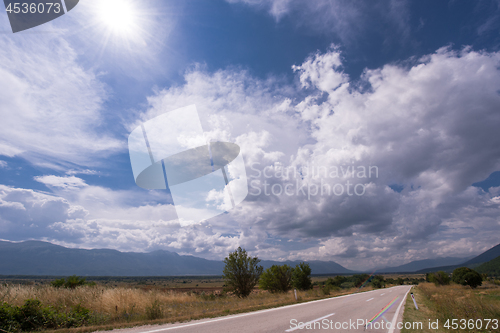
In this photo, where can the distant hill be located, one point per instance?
(317, 267)
(42, 258)
(486, 256)
(489, 255)
(414, 266)
(491, 267)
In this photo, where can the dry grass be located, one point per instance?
(120, 306)
(452, 302)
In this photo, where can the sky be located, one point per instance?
(393, 105)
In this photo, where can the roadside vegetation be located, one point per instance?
(461, 297)
(74, 303)
(98, 307)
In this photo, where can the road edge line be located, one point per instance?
(227, 317)
(395, 318)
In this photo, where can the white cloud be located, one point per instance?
(51, 106)
(347, 19)
(82, 172)
(429, 127)
(322, 71)
(66, 183)
(3, 164)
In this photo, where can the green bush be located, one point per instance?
(8, 315)
(336, 281)
(378, 281)
(71, 282)
(347, 285)
(439, 278)
(467, 277)
(32, 316)
(276, 279)
(301, 276)
(241, 272)
(359, 279)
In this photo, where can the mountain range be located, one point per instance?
(42, 258)
(484, 257)
(417, 265)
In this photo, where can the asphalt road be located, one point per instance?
(347, 313)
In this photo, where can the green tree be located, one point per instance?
(378, 281)
(439, 278)
(58, 282)
(359, 279)
(241, 272)
(301, 276)
(467, 277)
(276, 279)
(70, 282)
(336, 281)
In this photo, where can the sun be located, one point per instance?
(119, 16)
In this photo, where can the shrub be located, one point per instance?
(359, 279)
(8, 318)
(378, 281)
(301, 276)
(33, 316)
(467, 277)
(439, 278)
(71, 282)
(241, 272)
(276, 279)
(347, 285)
(336, 281)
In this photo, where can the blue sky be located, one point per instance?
(411, 87)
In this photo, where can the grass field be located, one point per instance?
(131, 302)
(445, 303)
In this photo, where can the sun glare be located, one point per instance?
(119, 16)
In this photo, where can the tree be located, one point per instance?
(439, 278)
(241, 272)
(276, 279)
(336, 281)
(359, 279)
(378, 281)
(301, 276)
(467, 277)
(71, 282)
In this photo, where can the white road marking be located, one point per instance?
(309, 322)
(253, 313)
(395, 318)
(369, 299)
(382, 294)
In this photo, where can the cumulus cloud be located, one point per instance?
(96, 217)
(27, 214)
(428, 126)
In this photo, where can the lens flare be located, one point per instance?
(119, 16)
